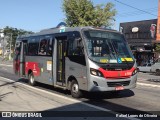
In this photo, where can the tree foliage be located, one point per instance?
(14, 32)
(84, 13)
(157, 48)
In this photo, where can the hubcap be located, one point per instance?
(75, 88)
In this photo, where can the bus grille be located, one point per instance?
(121, 83)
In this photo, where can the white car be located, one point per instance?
(156, 67)
(145, 67)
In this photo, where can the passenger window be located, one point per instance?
(50, 47)
(45, 46)
(33, 46)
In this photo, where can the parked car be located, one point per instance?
(156, 67)
(145, 67)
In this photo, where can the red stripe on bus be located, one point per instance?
(32, 66)
(117, 74)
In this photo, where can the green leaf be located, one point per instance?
(84, 13)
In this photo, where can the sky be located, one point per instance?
(35, 15)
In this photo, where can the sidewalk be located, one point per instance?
(19, 97)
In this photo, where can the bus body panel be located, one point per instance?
(41, 68)
(78, 71)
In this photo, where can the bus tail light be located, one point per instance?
(96, 72)
(134, 72)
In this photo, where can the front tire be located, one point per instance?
(75, 91)
(32, 81)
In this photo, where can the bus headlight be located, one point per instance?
(96, 72)
(134, 72)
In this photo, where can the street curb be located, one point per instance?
(146, 84)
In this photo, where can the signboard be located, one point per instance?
(49, 65)
(135, 29)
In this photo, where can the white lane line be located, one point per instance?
(149, 85)
(67, 98)
(6, 65)
(141, 78)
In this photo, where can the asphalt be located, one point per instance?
(6, 62)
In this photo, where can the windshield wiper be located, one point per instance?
(118, 56)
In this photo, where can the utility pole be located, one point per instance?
(2, 45)
(10, 46)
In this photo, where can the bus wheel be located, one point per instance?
(31, 79)
(75, 92)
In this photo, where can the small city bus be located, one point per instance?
(76, 59)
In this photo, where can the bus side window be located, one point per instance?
(33, 46)
(43, 47)
(50, 47)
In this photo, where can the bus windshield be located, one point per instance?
(107, 47)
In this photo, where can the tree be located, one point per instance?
(14, 32)
(157, 48)
(84, 13)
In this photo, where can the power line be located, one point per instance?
(135, 8)
(135, 13)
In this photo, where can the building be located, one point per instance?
(140, 36)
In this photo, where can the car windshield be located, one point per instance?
(107, 47)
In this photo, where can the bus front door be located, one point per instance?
(19, 58)
(60, 66)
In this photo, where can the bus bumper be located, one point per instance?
(103, 84)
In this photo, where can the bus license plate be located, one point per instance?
(119, 88)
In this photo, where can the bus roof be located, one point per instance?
(64, 29)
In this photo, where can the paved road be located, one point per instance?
(144, 98)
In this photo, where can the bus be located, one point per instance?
(76, 59)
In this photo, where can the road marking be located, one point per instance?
(146, 84)
(6, 65)
(71, 99)
(141, 78)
